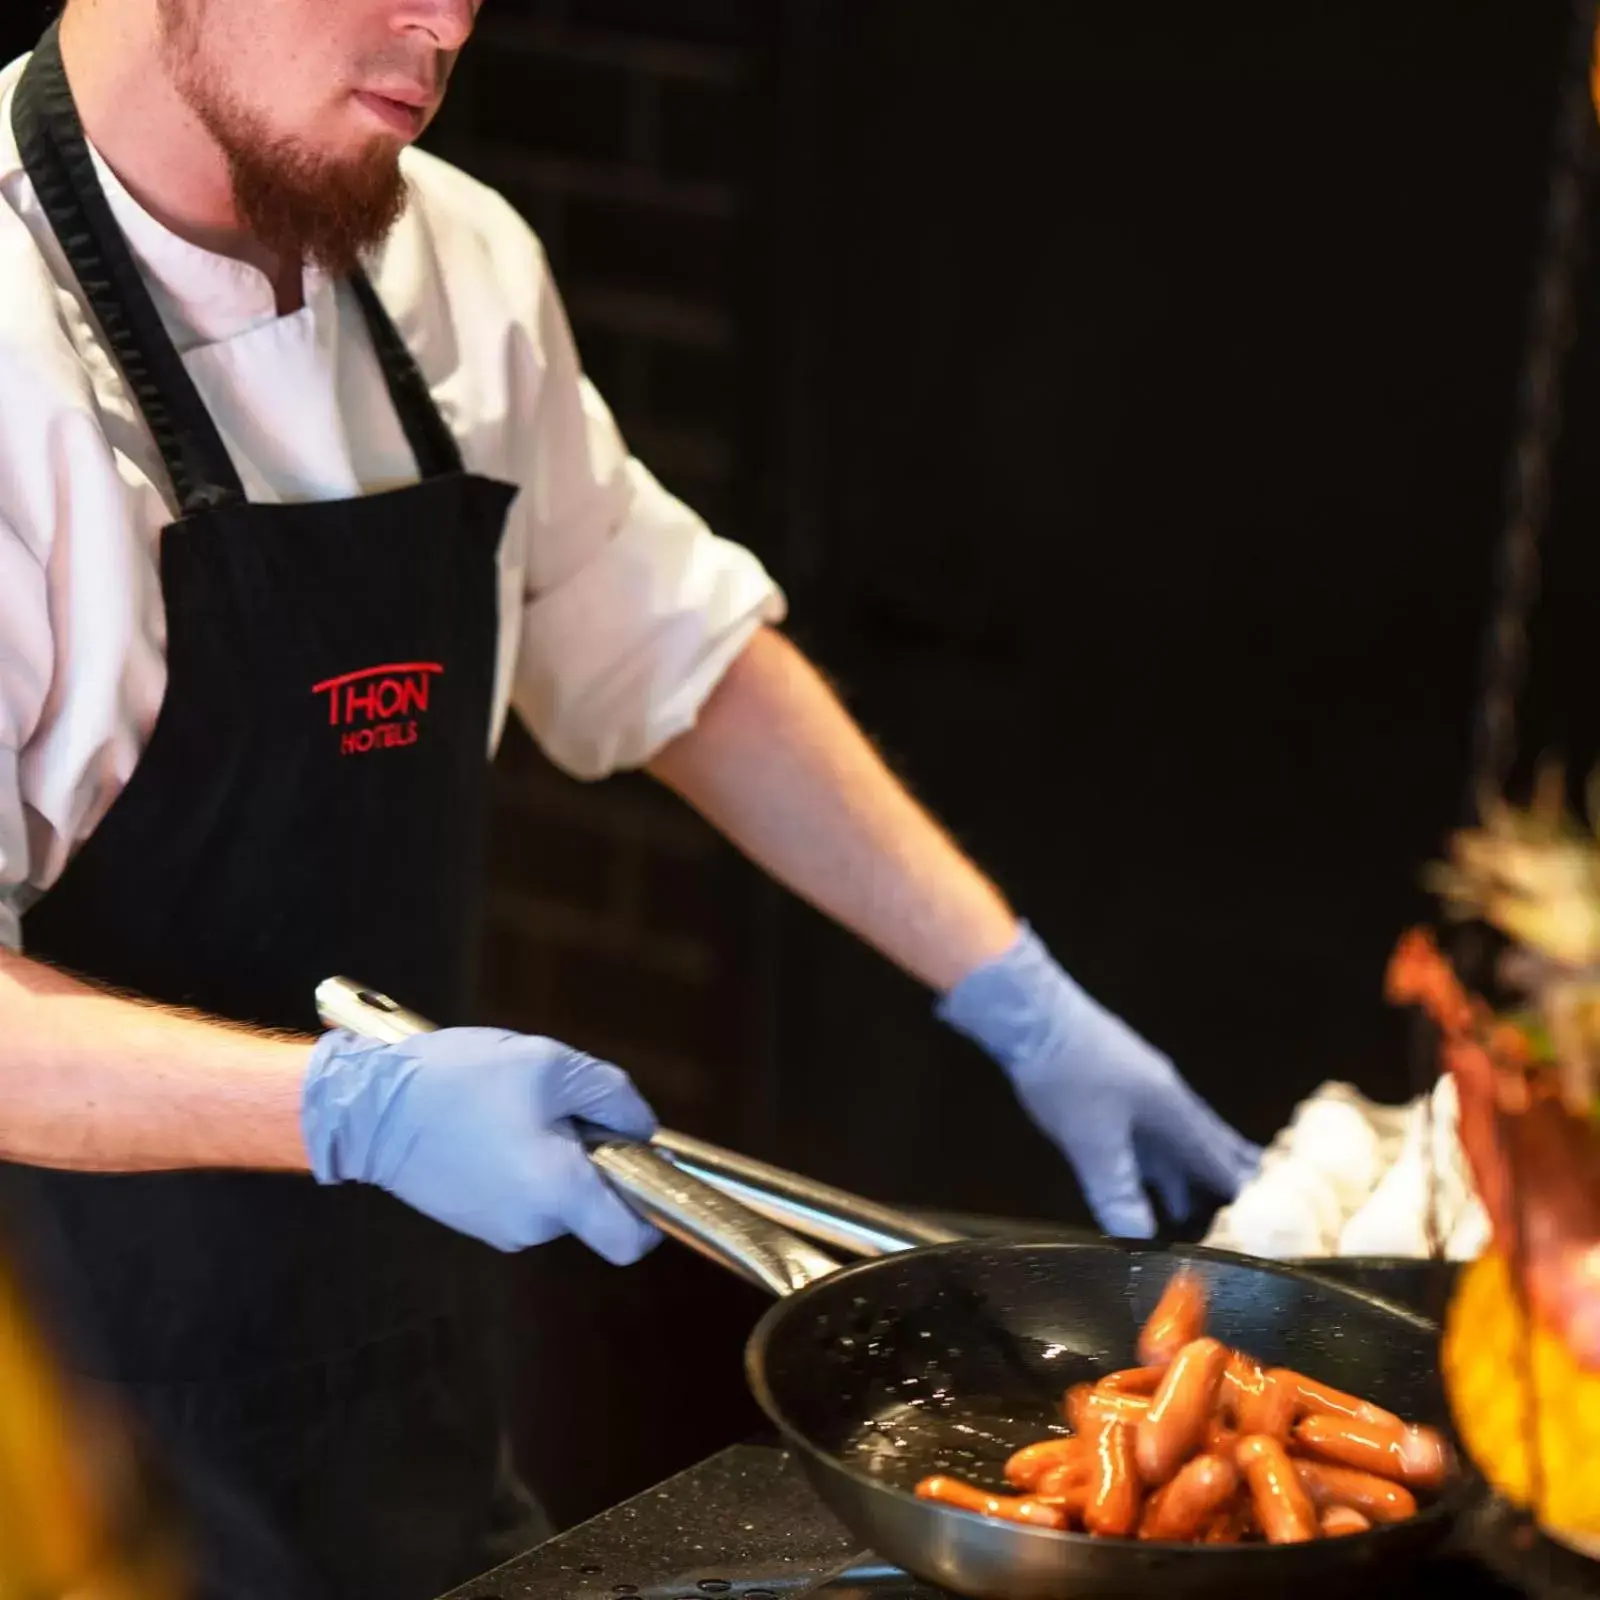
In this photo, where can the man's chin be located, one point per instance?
(327, 214)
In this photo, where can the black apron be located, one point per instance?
(319, 1366)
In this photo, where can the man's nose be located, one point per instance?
(446, 23)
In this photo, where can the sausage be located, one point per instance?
(1075, 1407)
(1243, 1365)
(1087, 1407)
(1010, 1508)
(1185, 1507)
(1152, 1511)
(1417, 1456)
(1178, 1319)
(1106, 1405)
(1320, 1397)
(1226, 1527)
(1337, 1521)
(1174, 1426)
(1068, 1485)
(1114, 1492)
(1268, 1406)
(1282, 1507)
(1376, 1498)
(1241, 1373)
(1131, 1380)
(1425, 1458)
(1221, 1439)
(1033, 1461)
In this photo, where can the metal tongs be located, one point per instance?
(817, 1211)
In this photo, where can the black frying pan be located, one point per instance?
(950, 1356)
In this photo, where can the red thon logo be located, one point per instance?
(378, 708)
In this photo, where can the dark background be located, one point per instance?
(1122, 395)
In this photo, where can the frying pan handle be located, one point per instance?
(675, 1200)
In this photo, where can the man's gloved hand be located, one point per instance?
(473, 1127)
(1114, 1105)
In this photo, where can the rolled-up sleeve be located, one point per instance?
(25, 654)
(13, 851)
(634, 608)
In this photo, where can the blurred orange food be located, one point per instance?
(1521, 1349)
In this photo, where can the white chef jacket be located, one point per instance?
(619, 609)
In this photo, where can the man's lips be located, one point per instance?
(404, 111)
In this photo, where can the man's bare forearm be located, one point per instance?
(98, 1083)
(778, 765)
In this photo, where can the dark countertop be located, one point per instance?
(744, 1524)
(744, 1518)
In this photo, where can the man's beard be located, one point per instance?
(297, 203)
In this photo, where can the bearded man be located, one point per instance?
(302, 490)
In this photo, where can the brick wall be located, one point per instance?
(628, 132)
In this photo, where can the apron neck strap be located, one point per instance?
(431, 441)
(56, 155)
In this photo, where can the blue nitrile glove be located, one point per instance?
(1114, 1105)
(473, 1127)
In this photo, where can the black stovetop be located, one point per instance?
(745, 1525)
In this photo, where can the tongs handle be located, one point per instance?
(676, 1201)
(834, 1218)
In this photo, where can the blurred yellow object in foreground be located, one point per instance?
(1521, 1401)
(75, 1519)
(1594, 72)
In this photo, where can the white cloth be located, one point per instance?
(619, 609)
(1349, 1177)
